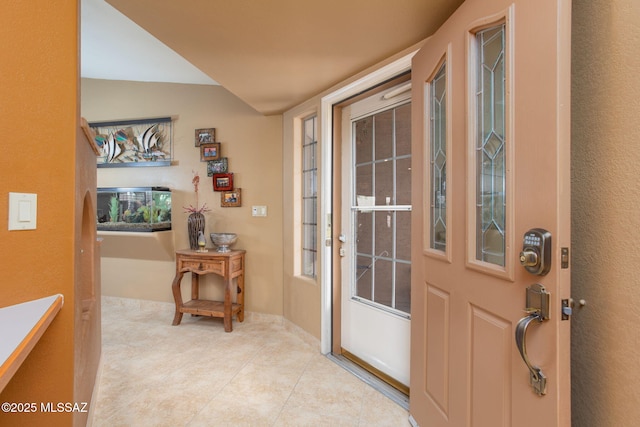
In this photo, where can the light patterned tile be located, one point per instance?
(379, 410)
(264, 373)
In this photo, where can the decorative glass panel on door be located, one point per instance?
(438, 140)
(490, 146)
(381, 209)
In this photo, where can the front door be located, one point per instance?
(376, 233)
(491, 131)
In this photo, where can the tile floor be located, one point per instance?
(195, 374)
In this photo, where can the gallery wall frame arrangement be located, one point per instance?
(134, 142)
(217, 167)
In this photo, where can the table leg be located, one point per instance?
(240, 280)
(195, 286)
(228, 327)
(175, 288)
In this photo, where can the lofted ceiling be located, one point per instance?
(275, 54)
(113, 47)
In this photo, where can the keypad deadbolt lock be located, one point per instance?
(536, 251)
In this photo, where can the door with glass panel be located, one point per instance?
(376, 233)
(491, 217)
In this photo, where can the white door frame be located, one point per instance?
(326, 189)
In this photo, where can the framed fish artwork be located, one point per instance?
(139, 142)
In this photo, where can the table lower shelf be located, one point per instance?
(207, 308)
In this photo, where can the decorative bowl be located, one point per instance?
(223, 241)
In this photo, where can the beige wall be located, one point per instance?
(606, 205)
(301, 294)
(142, 266)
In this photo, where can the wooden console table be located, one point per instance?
(229, 265)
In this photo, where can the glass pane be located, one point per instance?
(383, 283)
(308, 158)
(309, 214)
(383, 135)
(364, 233)
(364, 140)
(364, 180)
(309, 184)
(309, 237)
(403, 287)
(403, 181)
(309, 130)
(403, 130)
(438, 133)
(309, 263)
(490, 146)
(403, 236)
(384, 227)
(384, 183)
(364, 276)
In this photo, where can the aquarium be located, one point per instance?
(134, 209)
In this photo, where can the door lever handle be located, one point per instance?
(536, 378)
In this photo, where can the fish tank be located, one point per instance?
(145, 209)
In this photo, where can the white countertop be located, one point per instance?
(21, 326)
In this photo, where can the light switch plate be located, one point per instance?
(258, 211)
(23, 209)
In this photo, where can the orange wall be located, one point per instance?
(38, 121)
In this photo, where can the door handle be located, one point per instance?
(536, 378)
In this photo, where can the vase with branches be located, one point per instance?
(195, 221)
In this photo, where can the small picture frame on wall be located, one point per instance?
(222, 182)
(205, 136)
(209, 152)
(231, 199)
(217, 166)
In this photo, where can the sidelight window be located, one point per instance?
(309, 197)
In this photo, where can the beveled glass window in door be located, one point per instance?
(490, 146)
(438, 140)
(381, 211)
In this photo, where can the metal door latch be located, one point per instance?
(568, 306)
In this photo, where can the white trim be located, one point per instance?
(326, 194)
